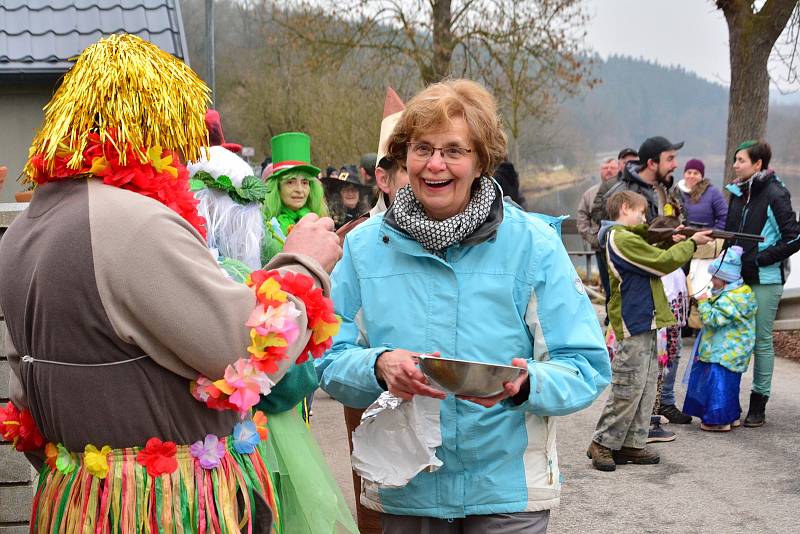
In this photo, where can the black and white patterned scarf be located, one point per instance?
(436, 236)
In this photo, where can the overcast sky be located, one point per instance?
(690, 33)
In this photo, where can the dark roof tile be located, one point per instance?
(40, 36)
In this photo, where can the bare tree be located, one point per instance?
(269, 82)
(752, 33)
(529, 53)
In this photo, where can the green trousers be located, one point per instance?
(768, 296)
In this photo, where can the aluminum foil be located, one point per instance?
(397, 440)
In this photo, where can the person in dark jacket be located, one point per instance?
(761, 204)
(508, 178)
(347, 197)
(651, 177)
(704, 203)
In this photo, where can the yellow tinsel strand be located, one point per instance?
(126, 85)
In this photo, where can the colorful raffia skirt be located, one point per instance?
(236, 496)
(309, 499)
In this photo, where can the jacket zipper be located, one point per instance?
(550, 477)
(563, 369)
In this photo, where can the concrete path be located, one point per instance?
(747, 480)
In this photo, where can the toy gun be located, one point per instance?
(659, 234)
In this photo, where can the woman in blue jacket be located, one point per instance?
(451, 268)
(761, 204)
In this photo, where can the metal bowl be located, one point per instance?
(463, 377)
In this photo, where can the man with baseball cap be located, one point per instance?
(653, 170)
(626, 154)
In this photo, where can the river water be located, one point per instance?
(565, 202)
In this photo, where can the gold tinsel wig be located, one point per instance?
(128, 87)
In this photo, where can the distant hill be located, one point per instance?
(638, 99)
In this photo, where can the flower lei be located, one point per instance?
(161, 176)
(272, 330)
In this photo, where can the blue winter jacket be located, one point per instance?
(762, 205)
(513, 294)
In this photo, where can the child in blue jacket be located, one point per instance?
(725, 346)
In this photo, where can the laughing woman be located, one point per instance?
(452, 268)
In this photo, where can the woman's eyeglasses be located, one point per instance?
(450, 154)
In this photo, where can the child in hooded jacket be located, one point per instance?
(725, 345)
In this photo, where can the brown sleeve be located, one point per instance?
(164, 291)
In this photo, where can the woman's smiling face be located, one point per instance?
(443, 188)
(350, 196)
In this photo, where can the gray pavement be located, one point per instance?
(747, 480)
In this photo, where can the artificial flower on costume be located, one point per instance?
(267, 350)
(159, 163)
(260, 420)
(51, 455)
(322, 320)
(244, 384)
(96, 461)
(66, 462)
(20, 429)
(270, 291)
(208, 452)
(205, 391)
(99, 166)
(246, 437)
(158, 457)
(275, 319)
(9, 422)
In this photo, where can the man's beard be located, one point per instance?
(664, 179)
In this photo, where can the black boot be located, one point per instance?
(755, 414)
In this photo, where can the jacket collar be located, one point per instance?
(757, 182)
(485, 232)
(631, 174)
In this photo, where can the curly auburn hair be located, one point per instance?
(433, 109)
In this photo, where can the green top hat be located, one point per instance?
(291, 151)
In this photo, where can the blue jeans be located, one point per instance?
(668, 381)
